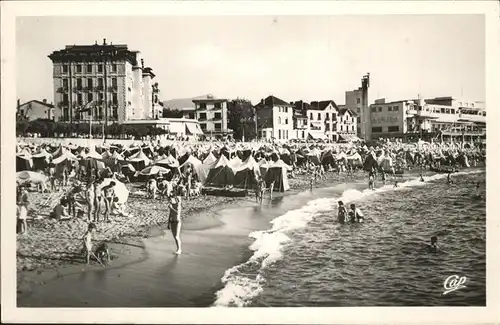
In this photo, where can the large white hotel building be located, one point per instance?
(110, 79)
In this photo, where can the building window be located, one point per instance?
(279, 119)
(89, 84)
(389, 108)
(380, 109)
(395, 109)
(286, 121)
(377, 129)
(78, 68)
(115, 99)
(373, 109)
(393, 128)
(217, 105)
(90, 97)
(89, 68)
(203, 126)
(286, 111)
(203, 106)
(203, 116)
(99, 68)
(113, 68)
(358, 100)
(218, 126)
(101, 97)
(79, 84)
(114, 83)
(319, 116)
(65, 83)
(65, 68)
(311, 117)
(218, 116)
(65, 99)
(100, 83)
(327, 116)
(341, 128)
(279, 134)
(79, 99)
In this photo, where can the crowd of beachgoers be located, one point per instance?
(72, 200)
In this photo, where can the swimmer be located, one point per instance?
(449, 180)
(342, 212)
(396, 184)
(433, 246)
(355, 214)
(422, 178)
(371, 180)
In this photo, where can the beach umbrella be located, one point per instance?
(121, 191)
(29, 176)
(153, 170)
(170, 162)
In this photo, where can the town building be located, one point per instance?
(180, 127)
(357, 102)
(34, 110)
(109, 79)
(324, 120)
(275, 119)
(442, 118)
(211, 112)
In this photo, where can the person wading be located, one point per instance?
(175, 221)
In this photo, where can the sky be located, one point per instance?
(291, 57)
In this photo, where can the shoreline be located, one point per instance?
(130, 248)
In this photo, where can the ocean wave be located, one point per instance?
(245, 281)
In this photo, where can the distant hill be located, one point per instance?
(181, 103)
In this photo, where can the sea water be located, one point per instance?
(306, 258)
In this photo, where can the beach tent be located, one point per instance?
(370, 162)
(221, 174)
(264, 166)
(235, 162)
(169, 162)
(355, 159)
(209, 159)
(386, 163)
(23, 161)
(277, 173)
(41, 159)
(139, 160)
(245, 176)
(121, 191)
(196, 166)
(63, 156)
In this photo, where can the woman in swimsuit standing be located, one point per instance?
(175, 221)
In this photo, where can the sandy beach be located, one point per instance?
(51, 250)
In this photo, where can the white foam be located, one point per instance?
(240, 288)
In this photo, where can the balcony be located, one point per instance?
(113, 88)
(411, 111)
(202, 118)
(427, 114)
(99, 88)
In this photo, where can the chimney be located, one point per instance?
(104, 41)
(18, 102)
(142, 63)
(44, 101)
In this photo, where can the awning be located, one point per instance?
(350, 137)
(176, 128)
(198, 129)
(317, 135)
(191, 128)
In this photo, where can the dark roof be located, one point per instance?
(39, 102)
(272, 101)
(322, 105)
(96, 52)
(343, 110)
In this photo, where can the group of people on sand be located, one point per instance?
(186, 183)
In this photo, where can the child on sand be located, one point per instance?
(87, 241)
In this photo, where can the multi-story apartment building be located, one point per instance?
(275, 119)
(109, 79)
(35, 109)
(443, 118)
(211, 112)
